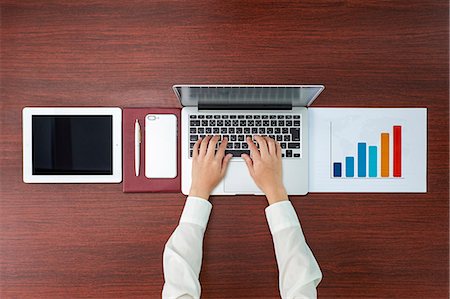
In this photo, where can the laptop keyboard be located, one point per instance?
(284, 128)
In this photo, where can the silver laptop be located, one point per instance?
(238, 111)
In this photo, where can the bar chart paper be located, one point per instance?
(367, 149)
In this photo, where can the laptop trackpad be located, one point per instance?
(238, 180)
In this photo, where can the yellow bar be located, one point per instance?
(385, 155)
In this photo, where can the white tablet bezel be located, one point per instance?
(115, 177)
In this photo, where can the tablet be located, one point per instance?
(72, 145)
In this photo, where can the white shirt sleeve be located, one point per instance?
(182, 257)
(299, 273)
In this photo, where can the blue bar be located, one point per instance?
(362, 159)
(373, 161)
(349, 167)
(337, 170)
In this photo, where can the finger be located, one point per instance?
(278, 149)
(262, 146)
(195, 149)
(212, 145)
(272, 146)
(221, 151)
(249, 163)
(204, 145)
(253, 149)
(225, 162)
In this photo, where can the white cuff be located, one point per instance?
(281, 215)
(196, 210)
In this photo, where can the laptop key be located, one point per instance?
(192, 130)
(293, 145)
(204, 123)
(295, 132)
(288, 153)
(237, 153)
(296, 116)
(194, 138)
(297, 155)
(192, 116)
(195, 123)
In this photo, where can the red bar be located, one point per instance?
(397, 151)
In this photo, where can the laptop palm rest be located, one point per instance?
(238, 180)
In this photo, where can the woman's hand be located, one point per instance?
(208, 165)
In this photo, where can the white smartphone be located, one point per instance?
(160, 146)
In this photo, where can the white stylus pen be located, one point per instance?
(137, 146)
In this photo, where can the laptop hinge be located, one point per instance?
(208, 106)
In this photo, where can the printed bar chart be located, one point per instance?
(373, 160)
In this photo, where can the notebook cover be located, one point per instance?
(132, 183)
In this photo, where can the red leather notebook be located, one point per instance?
(131, 182)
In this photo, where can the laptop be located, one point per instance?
(238, 111)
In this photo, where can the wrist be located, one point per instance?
(199, 193)
(276, 195)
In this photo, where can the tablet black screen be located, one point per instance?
(72, 144)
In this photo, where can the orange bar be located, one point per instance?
(385, 155)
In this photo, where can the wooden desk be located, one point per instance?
(94, 241)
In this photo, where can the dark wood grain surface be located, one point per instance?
(61, 241)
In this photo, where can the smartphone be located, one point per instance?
(160, 146)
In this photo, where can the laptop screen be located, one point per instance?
(247, 96)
